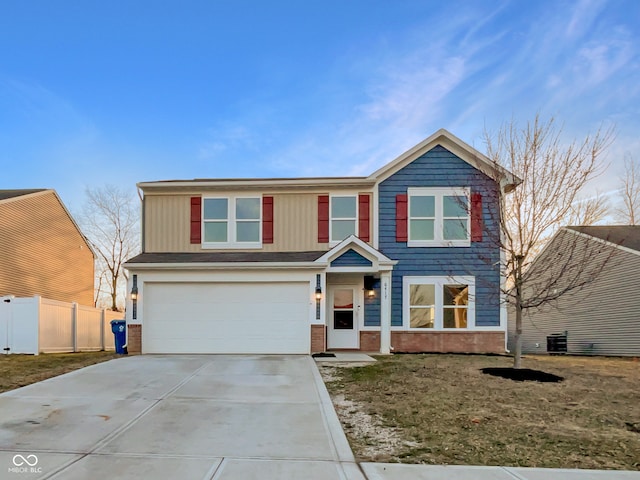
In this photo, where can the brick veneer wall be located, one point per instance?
(448, 342)
(370, 341)
(318, 337)
(440, 342)
(134, 339)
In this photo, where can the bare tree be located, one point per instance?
(553, 175)
(588, 211)
(100, 274)
(628, 212)
(110, 221)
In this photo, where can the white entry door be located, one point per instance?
(343, 320)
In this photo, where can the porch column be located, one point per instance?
(385, 312)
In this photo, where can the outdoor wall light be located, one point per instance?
(318, 296)
(369, 282)
(134, 297)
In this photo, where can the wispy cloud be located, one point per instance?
(600, 60)
(464, 72)
(583, 16)
(407, 97)
(57, 145)
(38, 107)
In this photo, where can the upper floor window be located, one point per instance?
(231, 222)
(344, 217)
(438, 217)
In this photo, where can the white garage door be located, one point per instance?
(226, 318)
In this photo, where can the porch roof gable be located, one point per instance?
(379, 261)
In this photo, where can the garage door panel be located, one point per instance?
(226, 318)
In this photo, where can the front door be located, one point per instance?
(343, 319)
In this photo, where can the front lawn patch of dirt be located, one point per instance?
(442, 409)
(20, 370)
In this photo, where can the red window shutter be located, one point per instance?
(363, 217)
(267, 219)
(401, 217)
(323, 218)
(476, 217)
(196, 219)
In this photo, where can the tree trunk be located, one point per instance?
(114, 293)
(517, 354)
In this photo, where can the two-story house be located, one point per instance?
(42, 250)
(399, 260)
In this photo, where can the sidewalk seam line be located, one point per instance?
(100, 443)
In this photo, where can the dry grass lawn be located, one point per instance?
(441, 409)
(20, 370)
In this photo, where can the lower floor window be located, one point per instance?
(439, 302)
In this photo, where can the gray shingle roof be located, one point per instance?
(623, 235)
(224, 257)
(4, 194)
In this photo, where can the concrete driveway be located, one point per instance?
(187, 416)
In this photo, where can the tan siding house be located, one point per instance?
(601, 318)
(167, 217)
(42, 251)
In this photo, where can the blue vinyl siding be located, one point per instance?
(372, 307)
(441, 168)
(351, 258)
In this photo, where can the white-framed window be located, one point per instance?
(438, 217)
(231, 222)
(439, 303)
(343, 217)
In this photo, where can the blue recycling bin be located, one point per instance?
(119, 329)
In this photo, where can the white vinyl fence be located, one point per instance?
(39, 325)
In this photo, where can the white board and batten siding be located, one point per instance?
(603, 318)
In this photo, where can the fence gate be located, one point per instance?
(5, 324)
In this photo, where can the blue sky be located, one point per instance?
(98, 92)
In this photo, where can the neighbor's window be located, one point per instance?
(438, 217)
(344, 217)
(439, 302)
(232, 222)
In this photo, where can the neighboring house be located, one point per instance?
(603, 316)
(393, 261)
(42, 250)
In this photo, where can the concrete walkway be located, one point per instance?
(209, 417)
(394, 471)
(186, 417)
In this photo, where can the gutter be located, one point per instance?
(228, 265)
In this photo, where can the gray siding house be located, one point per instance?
(603, 316)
